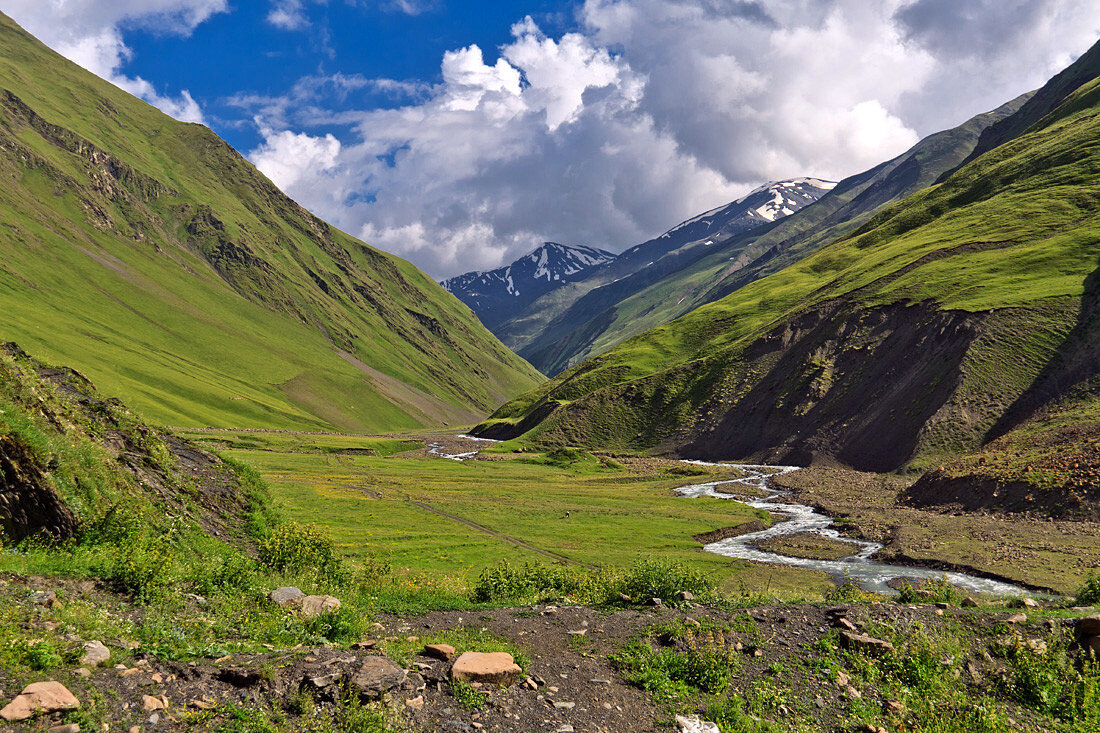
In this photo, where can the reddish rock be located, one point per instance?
(40, 697)
(497, 668)
(439, 651)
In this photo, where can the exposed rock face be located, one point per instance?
(38, 698)
(29, 506)
(378, 675)
(497, 668)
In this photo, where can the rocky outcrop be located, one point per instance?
(29, 505)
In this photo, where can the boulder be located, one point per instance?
(865, 643)
(685, 595)
(316, 605)
(286, 596)
(1089, 625)
(1016, 618)
(40, 697)
(439, 651)
(95, 654)
(377, 676)
(497, 668)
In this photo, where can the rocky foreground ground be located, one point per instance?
(810, 667)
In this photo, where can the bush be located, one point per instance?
(662, 579)
(300, 548)
(531, 583)
(1089, 592)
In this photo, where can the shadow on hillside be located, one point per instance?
(1076, 362)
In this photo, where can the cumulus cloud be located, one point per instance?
(88, 33)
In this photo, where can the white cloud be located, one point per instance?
(288, 15)
(286, 157)
(88, 33)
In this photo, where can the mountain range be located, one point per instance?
(950, 320)
(497, 294)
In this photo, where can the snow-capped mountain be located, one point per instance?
(763, 205)
(498, 294)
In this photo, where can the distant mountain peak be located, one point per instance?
(762, 205)
(494, 295)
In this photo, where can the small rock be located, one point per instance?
(365, 644)
(197, 599)
(325, 680)
(439, 651)
(1016, 618)
(853, 693)
(202, 704)
(415, 703)
(151, 704)
(82, 672)
(286, 596)
(316, 605)
(154, 719)
(497, 668)
(695, 724)
(685, 596)
(562, 705)
(377, 676)
(843, 623)
(582, 632)
(44, 598)
(67, 728)
(969, 602)
(865, 643)
(39, 697)
(894, 706)
(938, 611)
(95, 654)
(565, 728)
(843, 679)
(1030, 603)
(657, 602)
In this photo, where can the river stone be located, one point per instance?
(95, 654)
(316, 605)
(1089, 625)
(439, 651)
(377, 676)
(865, 643)
(40, 697)
(497, 668)
(286, 596)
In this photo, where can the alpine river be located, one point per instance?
(858, 567)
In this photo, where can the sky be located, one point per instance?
(461, 135)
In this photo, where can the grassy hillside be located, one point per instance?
(917, 336)
(152, 256)
(606, 313)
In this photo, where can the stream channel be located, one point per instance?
(792, 519)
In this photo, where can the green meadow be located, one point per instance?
(436, 519)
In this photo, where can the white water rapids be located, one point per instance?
(858, 567)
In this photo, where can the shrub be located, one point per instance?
(662, 579)
(1089, 592)
(300, 548)
(531, 582)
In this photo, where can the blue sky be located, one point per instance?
(461, 135)
(240, 51)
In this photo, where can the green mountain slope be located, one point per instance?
(150, 255)
(940, 324)
(605, 313)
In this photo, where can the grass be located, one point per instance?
(151, 256)
(414, 512)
